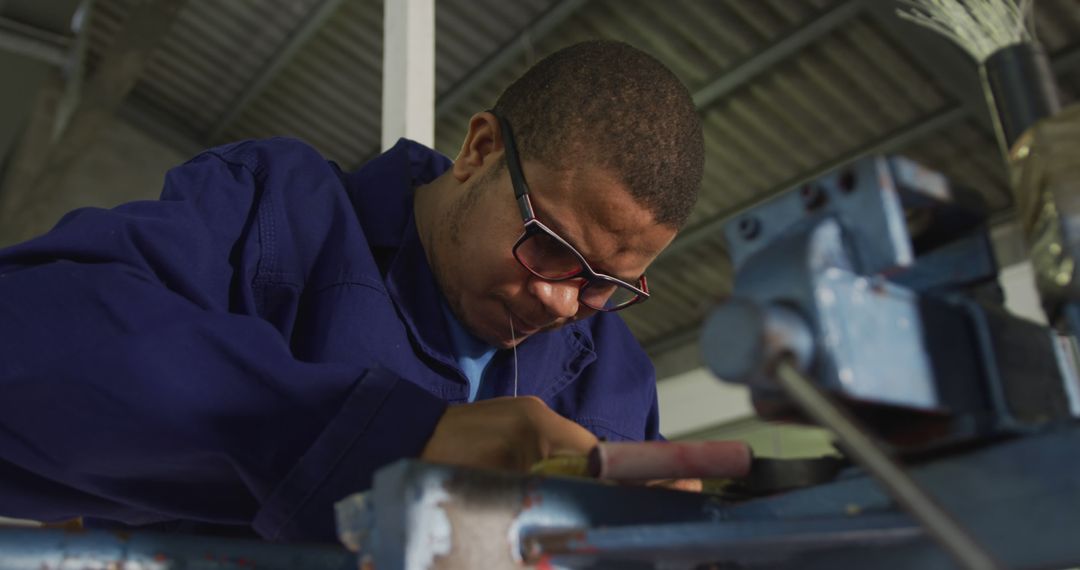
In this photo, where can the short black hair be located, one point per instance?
(616, 107)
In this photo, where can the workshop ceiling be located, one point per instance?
(787, 89)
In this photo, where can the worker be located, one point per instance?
(253, 346)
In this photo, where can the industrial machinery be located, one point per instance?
(879, 281)
(865, 300)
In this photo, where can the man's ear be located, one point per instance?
(481, 149)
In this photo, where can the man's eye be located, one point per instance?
(549, 257)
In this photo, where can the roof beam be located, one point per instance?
(41, 161)
(501, 58)
(35, 43)
(284, 54)
(116, 75)
(949, 66)
(506, 54)
(498, 61)
(780, 50)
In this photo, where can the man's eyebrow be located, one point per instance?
(549, 221)
(558, 228)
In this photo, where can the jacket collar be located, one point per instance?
(382, 194)
(382, 190)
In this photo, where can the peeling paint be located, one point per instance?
(427, 519)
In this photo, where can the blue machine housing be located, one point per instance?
(892, 270)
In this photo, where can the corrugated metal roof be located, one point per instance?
(469, 31)
(1057, 23)
(209, 56)
(849, 85)
(697, 40)
(330, 94)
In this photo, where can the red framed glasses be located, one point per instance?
(550, 257)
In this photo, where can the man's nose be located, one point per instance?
(560, 298)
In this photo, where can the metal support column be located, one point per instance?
(408, 105)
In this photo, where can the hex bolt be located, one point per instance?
(847, 181)
(749, 228)
(813, 197)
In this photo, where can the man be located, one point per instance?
(253, 346)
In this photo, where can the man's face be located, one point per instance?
(485, 285)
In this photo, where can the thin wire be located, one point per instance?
(513, 339)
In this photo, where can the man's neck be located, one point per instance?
(427, 200)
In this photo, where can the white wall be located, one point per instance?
(695, 400)
(123, 165)
(1021, 298)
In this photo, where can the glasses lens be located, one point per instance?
(547, 257)
(602, 295)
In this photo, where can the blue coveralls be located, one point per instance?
(251, 347)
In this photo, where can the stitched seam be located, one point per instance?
(271, 231)
(240, 160)
(367, 283)
(342, 453)
(578, 326)
(568, 376)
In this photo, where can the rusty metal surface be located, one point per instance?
(436, 516)
(687, 545)
(1018, 497)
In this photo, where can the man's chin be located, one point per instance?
(499, 339)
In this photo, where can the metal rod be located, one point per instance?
(869, 454)
(731, 541)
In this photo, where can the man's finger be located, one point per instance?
(565, 437)
(691, 485)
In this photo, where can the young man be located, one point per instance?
(254, 345)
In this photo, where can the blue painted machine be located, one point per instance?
(880, 281)
(876, 287)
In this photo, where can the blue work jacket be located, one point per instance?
(251, 347)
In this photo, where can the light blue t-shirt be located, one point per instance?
(473, 354)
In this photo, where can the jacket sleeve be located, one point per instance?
(130, 391)
(652, 421)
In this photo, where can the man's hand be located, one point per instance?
(690, 485)
(504, 433)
